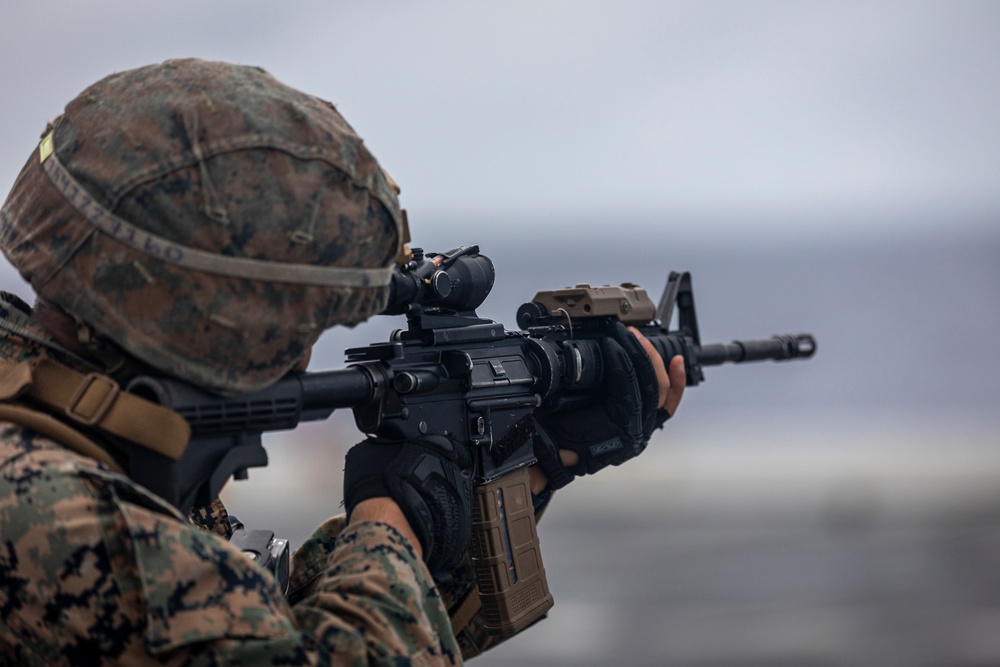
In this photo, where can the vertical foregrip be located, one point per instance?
(506, 555)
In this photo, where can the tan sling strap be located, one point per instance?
(96, 401)
(51, 427)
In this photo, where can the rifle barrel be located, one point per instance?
(778, 348)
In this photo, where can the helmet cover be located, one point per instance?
(205, 217)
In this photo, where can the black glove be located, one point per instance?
(613, 433)
(429, 481)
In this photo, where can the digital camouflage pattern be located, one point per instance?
(96, 570)
(148, 168)
(216, 519)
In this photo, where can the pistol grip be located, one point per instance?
(506, 555)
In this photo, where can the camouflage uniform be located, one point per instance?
(209, 223)
(96, 570)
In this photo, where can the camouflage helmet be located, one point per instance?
(207, 218)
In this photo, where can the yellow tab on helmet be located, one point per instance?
(47, 147)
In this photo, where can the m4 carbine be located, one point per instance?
(455, 374)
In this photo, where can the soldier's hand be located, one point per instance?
(429, 480)
(641, 395)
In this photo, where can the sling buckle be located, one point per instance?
(97, 406)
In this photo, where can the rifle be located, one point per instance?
(453, 373)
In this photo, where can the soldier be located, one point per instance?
(205, 222)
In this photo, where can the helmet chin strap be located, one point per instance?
(99, 349)
(106, 355)
(78, 340)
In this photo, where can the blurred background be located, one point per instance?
(823, 167)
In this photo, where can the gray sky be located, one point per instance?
(706, 118)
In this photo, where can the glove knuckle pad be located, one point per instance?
(430, 488)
